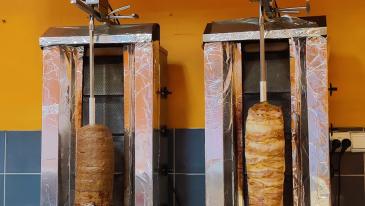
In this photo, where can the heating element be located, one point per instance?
(130, 70)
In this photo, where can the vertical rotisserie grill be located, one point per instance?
(129, 67)
(296, 52)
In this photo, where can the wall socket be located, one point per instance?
(357, 140)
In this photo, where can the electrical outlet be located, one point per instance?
(357, 140)
(341, 136)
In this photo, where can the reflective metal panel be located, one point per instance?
(318, 123)
(50, 110)
(272, 34)
(60, 69)
(105, 34)
(129, 124)
(296, 94)
(224, 133)
(278, 28)
(229, 144)
(214, 151)
(143, 124)
(238, 119)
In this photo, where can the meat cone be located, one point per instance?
(265, 155)
(94, 166)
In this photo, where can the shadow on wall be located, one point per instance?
(348, 74)
(180, 95)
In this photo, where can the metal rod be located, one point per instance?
(91, 58)
(263, 75)
(290, 12)
(132, 16)
(119, 9)
(293, 8)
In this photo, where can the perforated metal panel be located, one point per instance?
(278, 75)
(108, 76)
(118, 196)
(109, 112)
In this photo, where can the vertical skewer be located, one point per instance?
(263, 76)
(92, 96)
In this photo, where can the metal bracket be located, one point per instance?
(89, 9)
(100, 10)
(332, 129)
(332, 89)
(163, 131)
(165, 171)
(164, 92)
(272, 10)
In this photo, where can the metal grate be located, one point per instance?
(118, 190)
(108, 76)
(109, 112)
(119, 153)
(278, 75)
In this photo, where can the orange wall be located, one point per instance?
(182, 24)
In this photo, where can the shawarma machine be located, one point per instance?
(297, 73)
(130, 90)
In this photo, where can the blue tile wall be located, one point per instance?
(2, 151)
(165, 150)
(186, 152)
(20, 160)
(170, 150)
(1, 190)
(189, 151)
(164, 190)
(190, 189)
(182, 157)
(22, 190)
(23, 152)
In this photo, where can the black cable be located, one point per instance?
(335, 145)
(345, 144)
(339, 181)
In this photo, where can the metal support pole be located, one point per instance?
(263, 84)
(92, 96)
